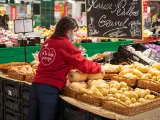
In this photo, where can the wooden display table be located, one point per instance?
(150, 115)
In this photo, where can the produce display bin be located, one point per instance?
(1, 113)
(13, 105)
(73, 113)
(17, 53)
(1, 86)
(11, 115)
(1, 100)
(25, 92)
(25, 109)
(12, 89)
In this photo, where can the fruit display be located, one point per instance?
(45, 32)
(154, 47)
(147, 33)
(81, 35)
(8, 38)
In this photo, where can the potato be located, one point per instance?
(142, 100)
(123, 98)
(123, 85)
(128, 102)
(98, 94)
(117, 95)
(83, 91)
(125, 71)
(133, 95)
(156, 65)
(104, 91)
(77, 85)
(112, 90)
(143, 68)
(116, 85)
(150, 97)
(136, 72)
(154, 78)
(124, 89)
(133, 100)
(127, 93)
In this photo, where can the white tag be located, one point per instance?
(9, 92)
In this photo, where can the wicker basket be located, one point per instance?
(29, 78)
(121, 108)
(15, 75)
(149, 84)
(90, 99)
(69, 92)
(108, 76)
(130, 82)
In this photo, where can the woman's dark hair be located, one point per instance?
(5, 18)
(64, 25)
(158, 16)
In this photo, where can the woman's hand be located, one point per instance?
(156, 27)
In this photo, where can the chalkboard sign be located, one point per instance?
(114, 18)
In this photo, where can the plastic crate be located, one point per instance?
(12, 89)
(1, 113)
(25, 92)
(130, 57)
(73, 113)
(1, 100)
(11, 116)
(25, 110)
(13, 105)
(96, 117)
(1, 86)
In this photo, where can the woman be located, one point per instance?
(4, 22)
(57, 57)
(156, 25)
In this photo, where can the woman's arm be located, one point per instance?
(75, 58)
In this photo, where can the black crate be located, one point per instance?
(118, 59)
(25, 110)
(1, 100)
(73, 113)
(25, 92)
(12, 89)
(1, 86)
(13, 105)
(96, 117)
(129, 56)
(1, 113)
(11, 115)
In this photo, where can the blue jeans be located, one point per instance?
(43, 102)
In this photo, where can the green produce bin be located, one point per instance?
(16, 54)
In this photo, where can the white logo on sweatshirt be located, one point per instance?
(47, 55)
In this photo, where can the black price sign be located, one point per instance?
(114, 18)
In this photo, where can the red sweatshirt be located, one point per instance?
(57, 57)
